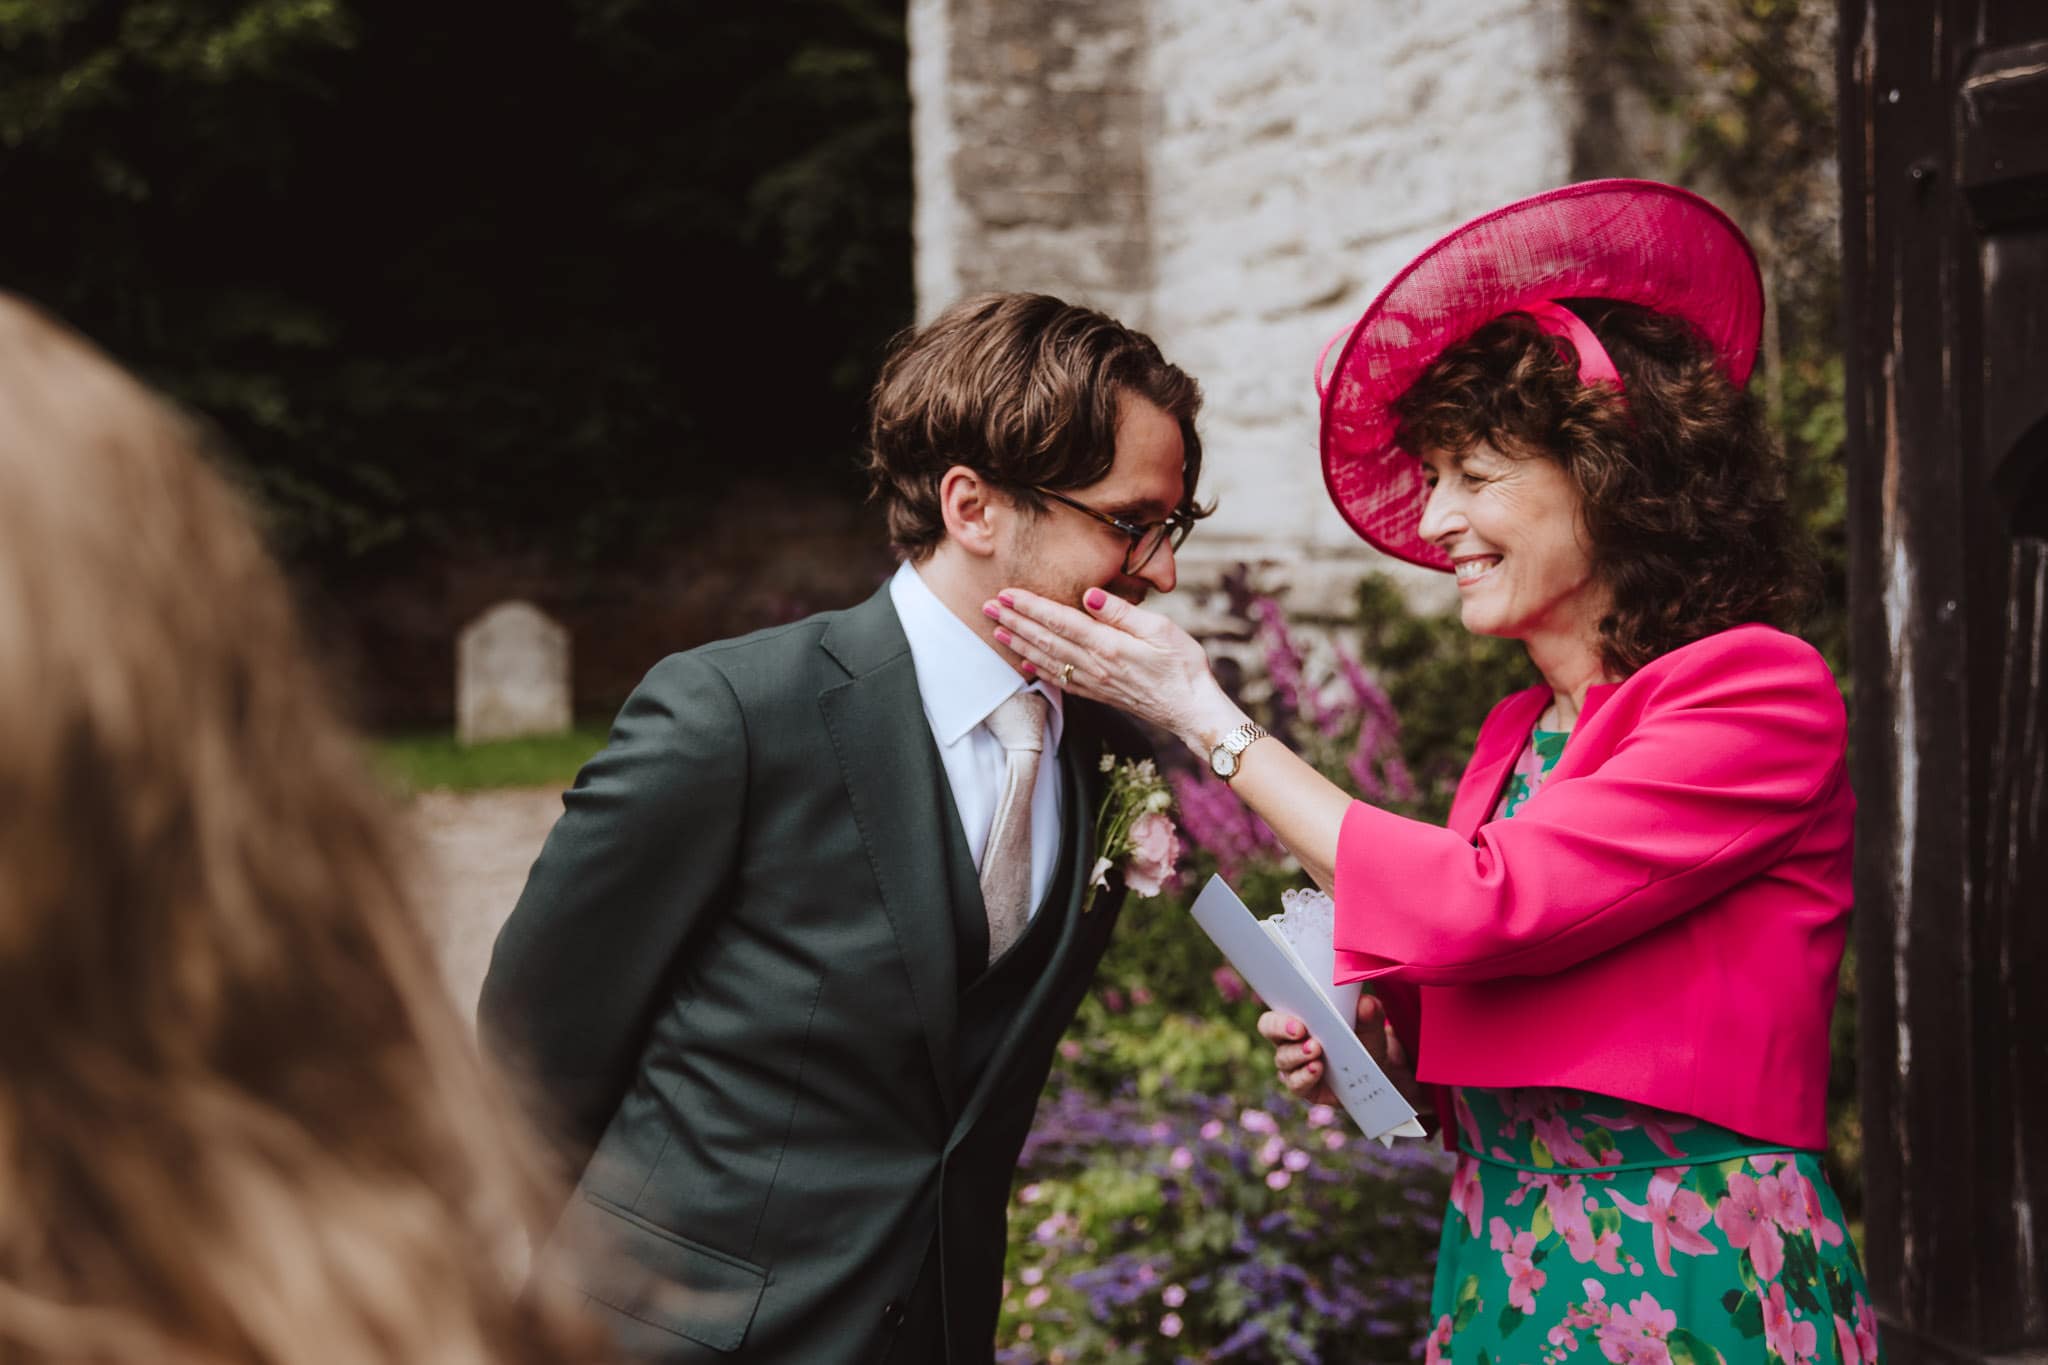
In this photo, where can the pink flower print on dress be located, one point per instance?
(1744, 1217)
(1467, 1195)
(1866, 1329)
(1518, 1250)
(1800, 1198)
(1675, 1216)
(1436, 1347)
(1566, 1200)
(1845, 1343)
(1555, 1132)
(1790, 1339)
(1467, 1123)
(1638, 1334)
(1657, 1127)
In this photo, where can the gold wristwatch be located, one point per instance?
(1223, 759)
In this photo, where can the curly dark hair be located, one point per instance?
(1681, 484)
(1023, 389)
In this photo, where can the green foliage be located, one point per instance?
(1184, 1210)
(436, 762)
(439, 276)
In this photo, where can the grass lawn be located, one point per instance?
(435, 762)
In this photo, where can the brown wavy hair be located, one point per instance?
(1682, 487)
(243, 1121)
(1023, 389)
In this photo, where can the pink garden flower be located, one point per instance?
(1790, 1339)
(1745, 1217)
(1155, 852)
(1675, 1216)
(1229, 984)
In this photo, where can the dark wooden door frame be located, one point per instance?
(1944, 114)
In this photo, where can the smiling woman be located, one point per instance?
(1625, 946)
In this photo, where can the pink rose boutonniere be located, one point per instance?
(1133, 832)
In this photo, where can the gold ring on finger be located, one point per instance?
(1066, 675)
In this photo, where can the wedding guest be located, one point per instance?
(1649, 853)
(242, 1121)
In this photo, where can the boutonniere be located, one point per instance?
(1133, 831)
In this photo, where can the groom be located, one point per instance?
(788, 976)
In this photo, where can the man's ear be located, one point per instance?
(971, 507)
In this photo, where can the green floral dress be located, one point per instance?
(1579, 1221)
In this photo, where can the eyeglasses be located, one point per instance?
(1145, 537)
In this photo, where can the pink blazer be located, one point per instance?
(1662, 921)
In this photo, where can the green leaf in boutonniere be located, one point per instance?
(1134, 835)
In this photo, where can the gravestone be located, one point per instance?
(511, 675)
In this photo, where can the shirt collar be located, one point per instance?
(960, 676)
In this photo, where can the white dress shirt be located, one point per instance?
(962, 680)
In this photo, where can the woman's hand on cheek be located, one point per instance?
(1130, 658)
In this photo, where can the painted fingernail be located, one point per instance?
(1309, 1047)
(1095, 597)
(1006, 599)
(1003, 637)
(991, 611)
(1294, 1030)
(1029, 667)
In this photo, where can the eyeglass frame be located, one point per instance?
(1177, 525)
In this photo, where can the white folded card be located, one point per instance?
(1290, 966)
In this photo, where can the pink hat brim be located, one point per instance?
(1634, 240)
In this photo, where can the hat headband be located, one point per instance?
(1595, 365)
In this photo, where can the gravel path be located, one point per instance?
(475, 850)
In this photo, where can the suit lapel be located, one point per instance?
(1493, 758)
(1079, 755)
(902, 806)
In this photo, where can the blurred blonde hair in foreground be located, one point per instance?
(242, 1120)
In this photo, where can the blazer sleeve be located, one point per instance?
(648, 837)
(1715, 781)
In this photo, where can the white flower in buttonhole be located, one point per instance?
(1133, 830)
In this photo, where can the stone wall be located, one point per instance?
(1240, 180)
(1029, 126)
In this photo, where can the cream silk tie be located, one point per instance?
(1019, 726)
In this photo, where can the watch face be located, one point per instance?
(1222, 762)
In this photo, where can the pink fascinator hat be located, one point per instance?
(1636, 241)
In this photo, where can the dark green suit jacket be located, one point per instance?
(731, 988)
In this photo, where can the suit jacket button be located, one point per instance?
(894, 1314)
